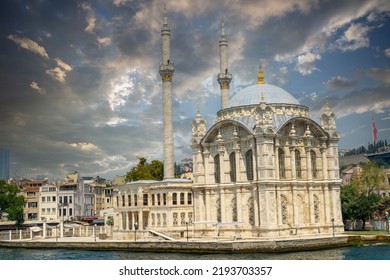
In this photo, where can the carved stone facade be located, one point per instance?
(267, 169)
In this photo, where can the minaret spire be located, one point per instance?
(260, 76)
(224, 77)
(166, 71)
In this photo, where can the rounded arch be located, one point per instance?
(315, 128)
(213, 131)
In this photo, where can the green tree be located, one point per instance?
(358, 200)
(372, 178)
(146, 171)
(11, 202)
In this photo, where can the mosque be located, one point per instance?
(263, 169)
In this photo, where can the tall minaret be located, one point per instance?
(166, 72)
(224, 77)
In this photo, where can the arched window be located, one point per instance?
(249, 165)
(174, 198)
(313, 158)
(282, 167)
(217, 169)
(232, 160)
(135, 200)
(298, 167)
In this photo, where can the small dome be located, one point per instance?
(253, 94)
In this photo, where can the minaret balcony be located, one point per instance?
(224, 79)
(166, 71)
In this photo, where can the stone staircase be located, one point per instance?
(160, 234)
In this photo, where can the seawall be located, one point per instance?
(240, 246)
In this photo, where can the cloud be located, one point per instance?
(339, 82)
(59, 73)
(35, 86)
(359, 102)
(90, 17)
(29, 44)
(66, 67)
(104, 41)
(305, 64)
(387, 52)
(380, 74)
(355, 37)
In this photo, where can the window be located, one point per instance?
(164, 199)
(145, 199)
(174, 198)
(232, 160)
(153, 199)
(129, 200)
(313, 164)
(48, 199)
(158, 199)
(189, 198)
(70, 199)
(282, 167)
(65, 200)
(249, 165)
(217, 169)
(61, 199)
(43, 199)
(70, 211)
(123, 200)
(181, 198)
(298, 167)
(53, 198)
(135, 200)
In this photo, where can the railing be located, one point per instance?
(53, 232)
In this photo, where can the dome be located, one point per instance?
(252, 95)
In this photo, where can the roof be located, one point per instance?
(254, 94)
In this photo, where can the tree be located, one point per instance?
(110, 221)
(146, 171)
(11, 202)
(358, 200)
(371, 178)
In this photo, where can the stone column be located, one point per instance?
(308, 163)
(324, 164)
(293, 167)
(223, 206)
(327, 204)
(295, 206)
(311, 205)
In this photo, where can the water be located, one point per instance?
(372, 252)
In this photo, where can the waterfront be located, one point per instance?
(369, 252)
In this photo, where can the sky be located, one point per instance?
(80, 88)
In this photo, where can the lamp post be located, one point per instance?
(332, 219)
(135, 231)
(94, 231)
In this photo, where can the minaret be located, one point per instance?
(166, 72)
(224, 77)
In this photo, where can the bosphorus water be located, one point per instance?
(371, 252)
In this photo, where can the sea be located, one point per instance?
(367, 252)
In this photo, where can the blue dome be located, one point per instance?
(252, 95)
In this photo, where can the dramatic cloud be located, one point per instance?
(387, 52)
(29, 44)
(35, 86)
(90, 17)
(306, 63)
(339, 82)
(95, 67)
(355, 37)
